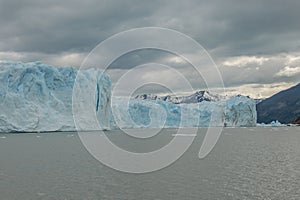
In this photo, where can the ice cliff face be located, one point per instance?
(240, 111)
(134, 113)
(91, 101)
(35, 97)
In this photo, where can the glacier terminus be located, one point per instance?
(35, 97)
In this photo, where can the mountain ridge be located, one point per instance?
(283, 106)
(196, 97)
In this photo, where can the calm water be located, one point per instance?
(246, 163)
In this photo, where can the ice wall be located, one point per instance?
(134, 113)
(35, 97)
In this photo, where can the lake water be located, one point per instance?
(246, 163)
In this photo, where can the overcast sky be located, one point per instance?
(255, 44)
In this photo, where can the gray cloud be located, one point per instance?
(231, 27)
(63, 32)
(57, 26)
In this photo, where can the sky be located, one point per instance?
(255, 44)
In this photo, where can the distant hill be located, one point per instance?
(283, 106)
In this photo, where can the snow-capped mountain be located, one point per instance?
(147, 97)
(194, 98)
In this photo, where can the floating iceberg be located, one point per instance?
(273, 124)
(134, 113)
(35, 97)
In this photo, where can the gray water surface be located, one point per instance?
(246, 163)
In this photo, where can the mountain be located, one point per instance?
(283, 106)
(146, 97)
(296, 121)
(194, 98)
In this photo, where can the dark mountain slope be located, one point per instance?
(283, 106)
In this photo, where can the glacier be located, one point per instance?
(134, 113)
(35, 97)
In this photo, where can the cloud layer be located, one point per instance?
(254, 43)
